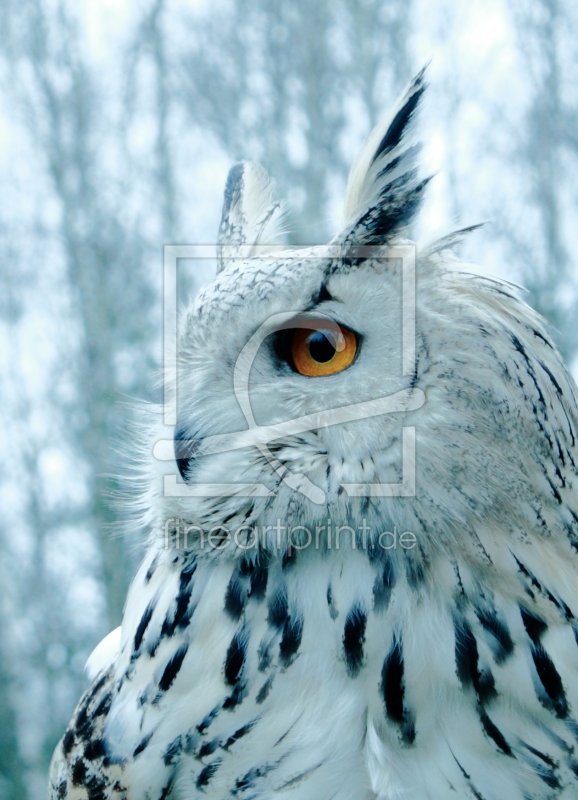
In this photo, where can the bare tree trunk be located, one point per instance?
(540, 154)
(12, 768)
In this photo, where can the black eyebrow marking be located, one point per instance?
(322, 296)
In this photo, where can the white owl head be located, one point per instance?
(285, 337)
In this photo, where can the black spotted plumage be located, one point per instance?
(235, 658)
(143, 624)
(393, 691)
(354, 638)
(291, 639)
(236, 596)
(383, 586)
(500, 637)
(172, 669)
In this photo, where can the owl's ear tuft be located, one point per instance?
(383, 189)
(250, 217)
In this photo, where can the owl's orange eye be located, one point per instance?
(324, 351)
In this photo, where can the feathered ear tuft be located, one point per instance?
(383, 191)
(251, 216)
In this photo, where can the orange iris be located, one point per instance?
(327, 349)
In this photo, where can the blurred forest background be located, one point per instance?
(118, 122)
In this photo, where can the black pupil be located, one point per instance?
(321, 348)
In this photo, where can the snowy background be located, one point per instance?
(119, 120)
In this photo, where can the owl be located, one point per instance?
(361, 578)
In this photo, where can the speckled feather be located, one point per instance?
(446, 670)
